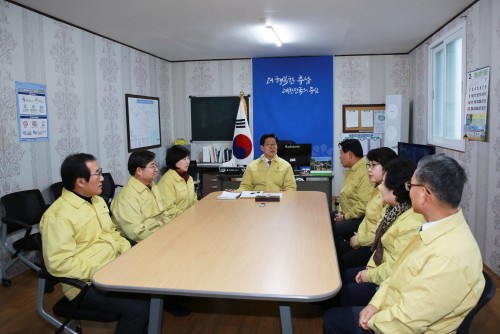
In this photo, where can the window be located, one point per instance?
(446, 85)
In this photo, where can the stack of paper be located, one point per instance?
(251, 194)
(229, 195)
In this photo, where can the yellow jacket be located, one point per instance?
(79, 238)
(138, 211)
(273, 179)
(177, 195)
(436, 281)
(394, 240)
(374, 212)
(355, 191)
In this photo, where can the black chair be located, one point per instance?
(486, 296)
(108, 187)
(56, 189)
(71, 311)
(23, 210)
(193, 172)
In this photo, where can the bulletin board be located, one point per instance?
(359, 117)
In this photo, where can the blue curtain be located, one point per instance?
(293, 98)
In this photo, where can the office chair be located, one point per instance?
(193, 172)
(23, 210)
(108, 187)
(56, 189)
(72, 311)
(486, 296)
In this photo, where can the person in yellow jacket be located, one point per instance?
(438, 278)
(396, 228)
(79, 238)
(357, 251)
(176, 185)
(138, 208)
(269, 172)
(355, 191)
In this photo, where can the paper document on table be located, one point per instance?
(229, 195)
(251, 194)
(273, 194)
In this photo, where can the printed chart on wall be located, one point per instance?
(143, 122)
(33, 123)
(476, 104)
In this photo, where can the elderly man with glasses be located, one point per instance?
(138, 208)
(79, 238)
(269, 172)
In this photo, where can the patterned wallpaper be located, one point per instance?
(87, 77)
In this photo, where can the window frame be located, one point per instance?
(440, 45)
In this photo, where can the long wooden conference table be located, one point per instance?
(280, 251)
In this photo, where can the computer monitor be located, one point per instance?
(298, 155)
(414, 152)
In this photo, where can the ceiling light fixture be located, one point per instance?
(274, 35)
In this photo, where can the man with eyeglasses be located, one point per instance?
(438, 278)
(79, 238)
(138, 209)
(269, 172)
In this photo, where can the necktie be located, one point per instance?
(269, 162)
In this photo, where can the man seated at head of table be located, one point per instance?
(438, 278)
(138, 209)
(269, 172)
(79, 238)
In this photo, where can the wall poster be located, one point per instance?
(476, 104)
(33, 123)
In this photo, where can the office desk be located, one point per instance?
(282, 251)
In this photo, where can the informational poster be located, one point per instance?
(143, 122)
(476, 104)
(32, 113)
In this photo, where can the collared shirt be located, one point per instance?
(79, 238)
(374, 212)
(177, 195)
(436, 281)
(138, 211)
(259, 176)
(355, 191)
(394, 241)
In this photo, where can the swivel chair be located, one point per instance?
(23, 210)
(108, 187)
(70, 310)
(56, 189)
(486, 296)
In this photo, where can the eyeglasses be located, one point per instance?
(408, 186)
(154, 165)
(372, 165)
(98, 173)
(271, 145)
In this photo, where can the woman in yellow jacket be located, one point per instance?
(357, 251)
(176, 185)
(399, 224)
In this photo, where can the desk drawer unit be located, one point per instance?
(210, 183)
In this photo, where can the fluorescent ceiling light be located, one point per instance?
(274, 35)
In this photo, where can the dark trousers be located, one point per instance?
(355, 294)
(342, 320)
(132, 309)
(355, 258)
